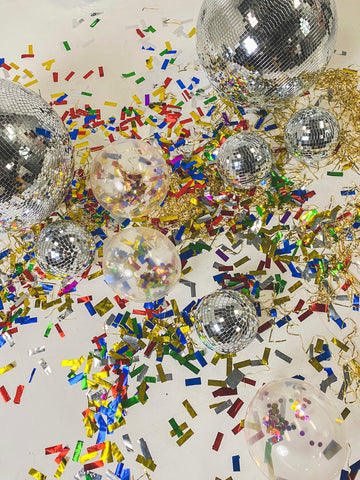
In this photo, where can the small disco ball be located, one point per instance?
(311, 134)
(129, 178)
(244, 160)
(141, 264)
(226, 321)
(294, 431)
(36, 158)
(265, 52)
(64, 249)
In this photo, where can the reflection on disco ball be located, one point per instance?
(294, 431)
(265, 52)
(244, 160)
(36, 164)
(129, 178)
(311, 134)
(226, 321)
(141, 264)
(64, 249)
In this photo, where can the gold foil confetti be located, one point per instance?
(189, 408)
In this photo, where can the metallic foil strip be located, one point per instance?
(127, 443)
(144, 449)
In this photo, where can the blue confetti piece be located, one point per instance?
(269, 217)
(180, 83)
(102, 428)
(192, 381)
(25, 320)
(211, 111)
(329, 371)
(356, 303)
(259, 123)
(344, 475)
(236, 463)
(355, 467)
(257, 308)
(298, 377)
(345, 193)
(283, 321)
(270, 127)
(90, 308)
(32, 374)
(179, 233)
(187, 254)
(200, 358)
(2, 341)
(119, 470)
(60, 99)
(293, 270)
(75, 379)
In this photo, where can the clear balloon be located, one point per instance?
(64, 249)
(244, 160)
(311, 134)
(294, 432)
(265, 52)
(226, 321)
(141, 264)
(129, 178)
(36, 158)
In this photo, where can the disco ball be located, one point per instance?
(141, 264)
(244, 160)
(64, 249)
(311, 134)
(36, 163)
(265, 52)
(129, 178)
(225, 321)
(294, 432)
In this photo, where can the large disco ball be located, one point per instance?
(265, 52)
(294, 432)
(311, 134)
(244, 160)
(36, 161)
(129, 178)
(225, 321)
(64, 249)
(141, 264)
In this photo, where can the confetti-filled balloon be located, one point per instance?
(226, 321)
(36, 161)
(265, 52)
(141, 264)
(64, 249)
(311, 134)
(293, 431)
(244, 160)
(129, 178)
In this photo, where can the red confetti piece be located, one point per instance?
(346, 285)
(319, 307)
(101, 71)
(4, 394)
(264, 327)
(305, 315)
(59, 330)
(6, 66)
(249, 381)
(280, 266)
(19, 392)
(299, 306)
(298, 213)
(54, 449)
(88, 298)
(149, 349)
(217, 442)
(93, 465)
(61, 455)
(67, 78)
(96, 448)
(96, 149)
(140, 33)
(237, 429)
(55, 76)
(87, 75)
(235, 407)
(223, 391)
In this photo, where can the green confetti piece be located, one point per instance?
(87, 94)
(84, 384)
(267, 456)
(129, 402)
(67, 46)
(136, 372)
(150, 28)
(150, 379)
(139, 80)
(172, 61)
(335, 174)
(135, 326)
(163, 52)
(176, 427)
(77, 452)
(48, 330)
(209, 100)
(127, 75)
(180, 104)
(95, 22)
